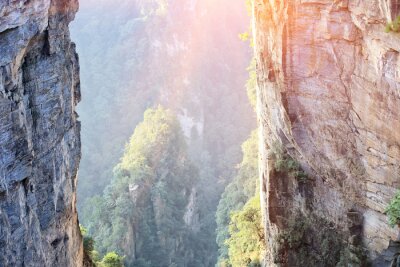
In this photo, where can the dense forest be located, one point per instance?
(123, 49)
(147, 211)
(153, 214)
(180, 191)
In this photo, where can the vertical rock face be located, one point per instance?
(329, 93)
(39, 134)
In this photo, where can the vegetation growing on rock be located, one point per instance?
(111, 259)
(393, 26)
(239, 210)
(314, 241)
(393, 210)
(88, 242)
(285, 163)
(251, 84)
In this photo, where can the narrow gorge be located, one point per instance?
(177, 170)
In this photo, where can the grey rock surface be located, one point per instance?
(39, 135)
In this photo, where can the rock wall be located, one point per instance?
(329, 94)
(39, 134)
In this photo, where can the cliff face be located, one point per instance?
(39, 135)
(329, 94)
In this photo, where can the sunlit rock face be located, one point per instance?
(39, 135)
(329, 92)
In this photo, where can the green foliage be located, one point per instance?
(351, 257)
(331, 248)
(143, 207)
(393, 26)
(249, 7)
(393, 210)
(244, 36)
(243, 187)
(251, 84)
(247, 36)
(126, 78)
(112, 259)
(83, 230)
(96, 258)
(285, 163)
(296, 232)
(246, 241)
(88, 242)
(302, 231)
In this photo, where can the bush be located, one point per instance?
(88, 242)
(112, 259)
(298, 239)
(393, 26)
(285, 163)
(393, 210)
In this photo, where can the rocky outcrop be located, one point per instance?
(39, 134)
(329, 94)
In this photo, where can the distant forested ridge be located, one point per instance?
(186, 56)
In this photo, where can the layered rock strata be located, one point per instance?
(329, 94)
(39, 134)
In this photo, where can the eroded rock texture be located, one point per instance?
(329, 93)
(39, 134)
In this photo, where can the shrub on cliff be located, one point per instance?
(285, 163)
(393, 26)
(112, 259)
(393, 210)
(88, 242)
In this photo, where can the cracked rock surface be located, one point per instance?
(329, 92)
(39, 134)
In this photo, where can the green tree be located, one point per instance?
(140, 214)
(243, 187)
(246, 241)
(112, 259)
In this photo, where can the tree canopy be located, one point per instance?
(236, 203)
(141, 213)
